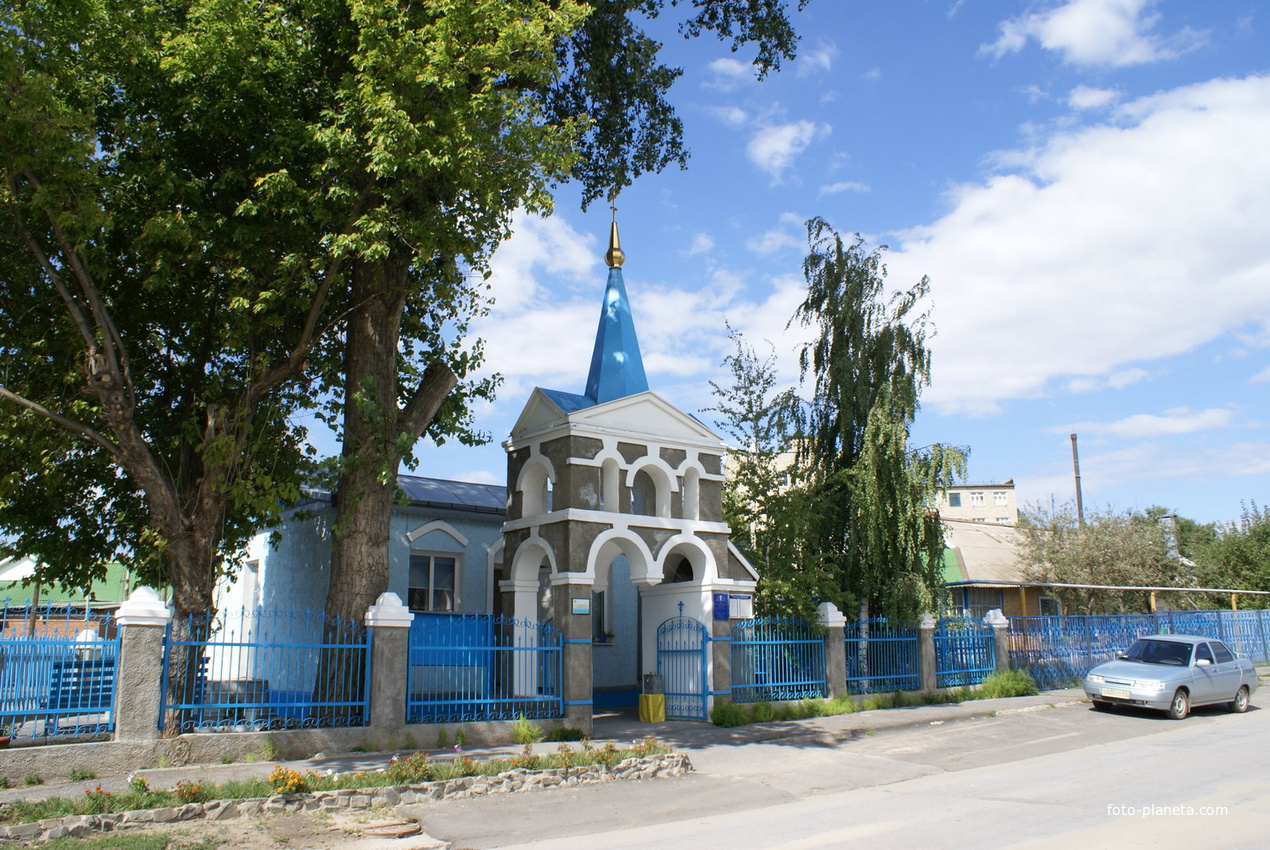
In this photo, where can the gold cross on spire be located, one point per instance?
(615, 256)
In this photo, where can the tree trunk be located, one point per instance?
(862, 648)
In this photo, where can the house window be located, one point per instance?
(954, 500)
(998, 499)
(599, 619)
(976, 498)
(979, 519)
(1004, 520)
(432, 582)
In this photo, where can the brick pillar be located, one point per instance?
(579, 677)
(389, 623)
(835, 649)
(926, 653)
(142, 620)
(1000, 636)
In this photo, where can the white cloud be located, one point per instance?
(1262, 377)
(549, 244)
(788, 233)
(1114, 245)
(819, 60)
(1115, 381)
(727, 73)
(773, 148)
(1179, 420)
(844, 186)
(701, 243)
(1095, 32)
(732, 116)
(874, 73)
(1085, 97)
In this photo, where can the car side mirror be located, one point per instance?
(1202, 662)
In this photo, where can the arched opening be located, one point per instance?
(535, 489)
(691, 494)
(643, 494)
(678, 569)
(610, 486)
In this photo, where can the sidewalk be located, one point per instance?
(621, 728)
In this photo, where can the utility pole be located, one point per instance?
(1080, 502)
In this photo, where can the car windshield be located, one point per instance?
(1168, 652)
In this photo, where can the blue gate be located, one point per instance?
(683, 662)
(965, 652)
(777, 658)
(882, 657)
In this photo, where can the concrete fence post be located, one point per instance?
(389, 623)
(143, 620)
(835, 624)
(1000, 636)
(926, 653)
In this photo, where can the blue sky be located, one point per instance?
(1086, 183)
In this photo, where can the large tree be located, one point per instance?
(481, 139)
(877, 541)
(154, 318)
(207, 203)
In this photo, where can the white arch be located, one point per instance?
(492, 556)
(692, 490)
(533, 483)
(437, 525)
(613, 542)
(663, 478)
(704, 568)
(529, 557)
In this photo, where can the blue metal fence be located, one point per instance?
(265, 669)
(57, 671)
(882, 657)
(965, 652)
(1059, 650)
(472, 667)
(777, 658)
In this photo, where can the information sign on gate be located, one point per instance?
(722, 606)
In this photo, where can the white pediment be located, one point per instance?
(648, 414)
(540, 413)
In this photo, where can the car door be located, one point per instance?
(1229, 675)
(1204, 676)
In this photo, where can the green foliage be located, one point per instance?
(81, 775)
(1114, 548)
(460, 737)
(728, 714)
(849, 521)
(1239, 556)
(32, 779)
(526, 732)
(441, 738)
(565, 733)
(1008, 683)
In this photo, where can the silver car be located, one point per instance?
(1173, 673)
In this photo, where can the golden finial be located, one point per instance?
(615, 256)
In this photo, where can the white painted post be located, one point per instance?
(142, 620)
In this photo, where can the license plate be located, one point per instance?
(1122, 693)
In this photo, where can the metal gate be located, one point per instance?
(683, 662)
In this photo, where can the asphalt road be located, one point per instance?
(1051, 777)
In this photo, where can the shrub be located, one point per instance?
(284, 780)
(524, 732)
(727, 714)
(1009, 683)
(565, 733)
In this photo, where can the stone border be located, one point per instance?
(354, 799)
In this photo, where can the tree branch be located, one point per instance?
(79, 428)
(437, 382)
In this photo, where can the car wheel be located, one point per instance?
(1240, 703)
(1180, 706)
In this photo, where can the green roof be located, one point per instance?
(953, 571)
(113, 588)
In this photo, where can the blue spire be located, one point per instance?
(617, 369)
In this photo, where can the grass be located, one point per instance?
(407, 770)
(135, 841)
(1003, 683)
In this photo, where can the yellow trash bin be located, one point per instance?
(652, 708)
